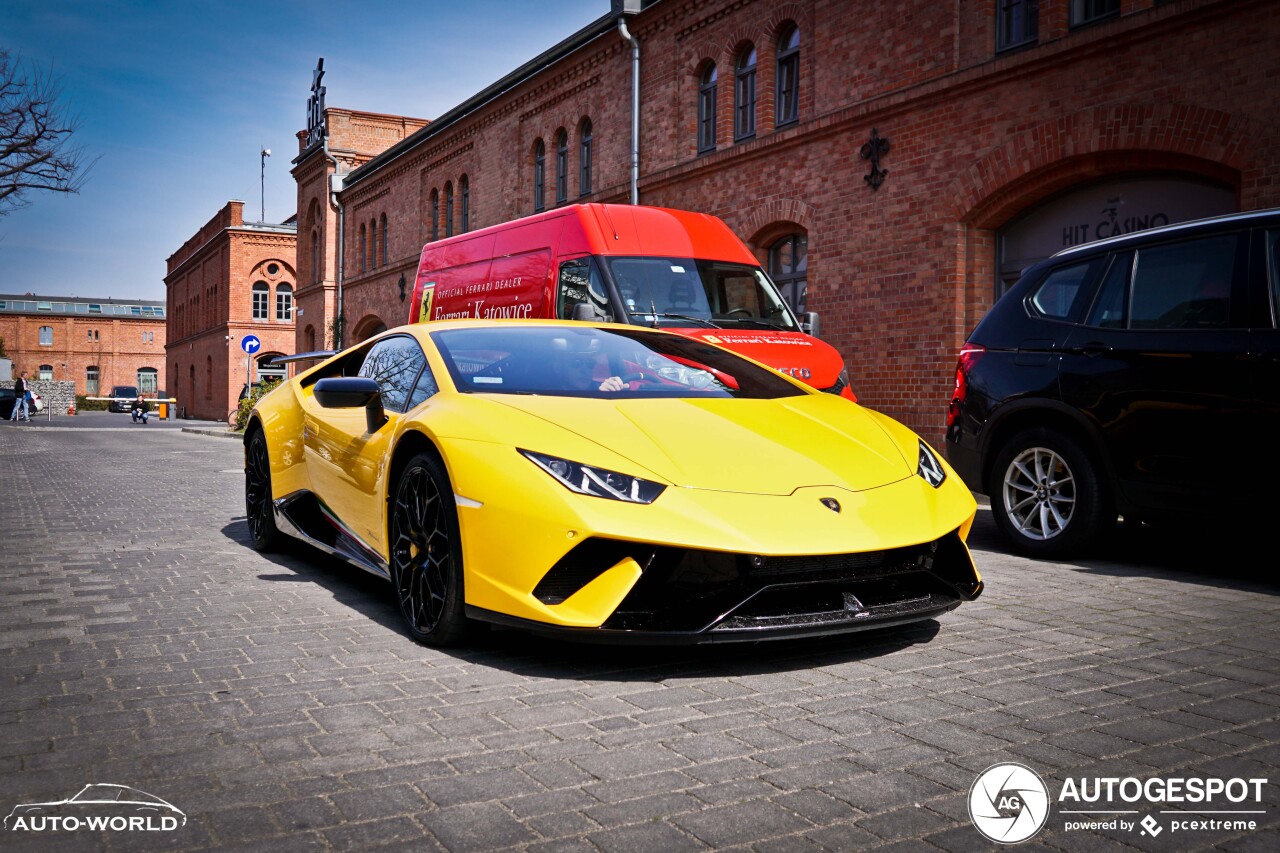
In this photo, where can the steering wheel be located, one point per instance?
(733, 311)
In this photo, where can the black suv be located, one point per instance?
(1138, 376)
(122, 397)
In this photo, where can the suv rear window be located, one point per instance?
(1060, 292)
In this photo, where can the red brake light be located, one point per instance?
(969, 355)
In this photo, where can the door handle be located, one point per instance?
(1092, 349)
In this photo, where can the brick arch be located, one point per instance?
(731, 47)
(369, 325)
(773, 219)
(1096, 143)
(789, 13)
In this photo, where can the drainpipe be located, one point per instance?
(335, 184)
(635, 108)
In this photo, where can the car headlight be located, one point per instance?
(597, 482)
(930, 468)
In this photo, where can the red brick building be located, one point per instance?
(231, 279)
(97, 343)
(894, 165)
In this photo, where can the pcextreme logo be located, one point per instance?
(98, 807)
(1010, 803)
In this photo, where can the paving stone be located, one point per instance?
(275, 699)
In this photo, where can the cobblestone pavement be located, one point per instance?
(276, 701)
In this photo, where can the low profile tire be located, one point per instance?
(258, 505)
(426, 554)
(1046, 495)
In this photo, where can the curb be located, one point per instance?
(214, 432)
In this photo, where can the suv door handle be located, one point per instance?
(1092, 349)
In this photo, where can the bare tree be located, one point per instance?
(35, 134)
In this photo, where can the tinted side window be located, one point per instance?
(1273, 261)
(425, 388)
(394, 363)
(1108, 308)
(1184, 285)
(1061, 290)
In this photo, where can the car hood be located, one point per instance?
(768, 447)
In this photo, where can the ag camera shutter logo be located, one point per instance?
(1008, 803)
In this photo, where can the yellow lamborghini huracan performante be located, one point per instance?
(608, 483)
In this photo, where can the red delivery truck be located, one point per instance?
(649, 266)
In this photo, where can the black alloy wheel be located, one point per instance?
(259, 508)
(1046, 495)
(426, 555)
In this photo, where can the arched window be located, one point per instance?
(539, 176)
(435, 215)
(382, 235)
(148, 380)
(363, 245)
(707, 109)
(562, 166)
(373, 244)
(191, 377)
(789, 76)
(744, 95)
(284, 303)
(464, 187)
(584, 157)
(261, 298)
(448, 209)
(208, 377)
(91, 380)
(315, 256)
(789, 269)
(46, 373)
(46, 336)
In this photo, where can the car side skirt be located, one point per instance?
(304, 516)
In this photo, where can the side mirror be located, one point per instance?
(352, 392)
(810, 324)
(584, 312)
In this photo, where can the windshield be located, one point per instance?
(565, 361)
(124, 391)
(689, 292)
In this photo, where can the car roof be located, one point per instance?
(1212, 223)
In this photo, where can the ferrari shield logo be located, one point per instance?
(428, 296)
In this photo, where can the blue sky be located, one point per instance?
(176, 98)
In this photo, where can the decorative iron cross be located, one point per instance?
(872, 151)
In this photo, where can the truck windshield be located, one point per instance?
(659, 291)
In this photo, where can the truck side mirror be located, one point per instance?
(584, 312)
(809, 323)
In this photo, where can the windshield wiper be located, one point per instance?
(707, 323)
(766, 324)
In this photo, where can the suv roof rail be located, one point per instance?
(1173, 228)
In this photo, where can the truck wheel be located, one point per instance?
(1047, 497)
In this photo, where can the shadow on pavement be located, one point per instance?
(1211, 554)
(532, 655)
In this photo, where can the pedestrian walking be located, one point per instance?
(21, 397)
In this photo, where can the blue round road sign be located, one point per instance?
(251, 344)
